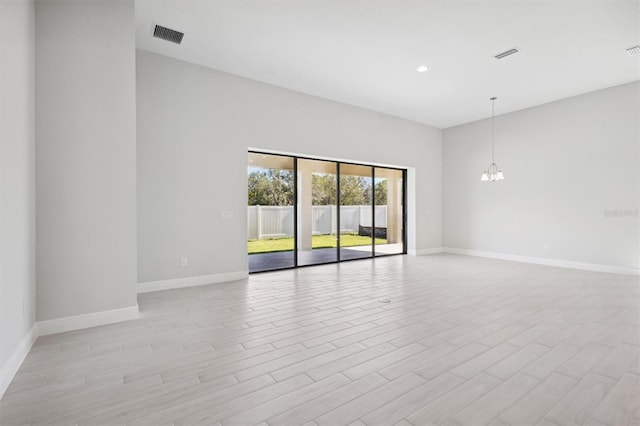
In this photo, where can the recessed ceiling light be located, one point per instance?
(422, 68)
(633, 50)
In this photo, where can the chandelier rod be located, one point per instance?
(493, 139)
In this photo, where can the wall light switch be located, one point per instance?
(226, 215)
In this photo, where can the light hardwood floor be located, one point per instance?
(464, 341)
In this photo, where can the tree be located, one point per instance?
(270, 187)
(323, 189)
(381, 193)
(274, 187)
(354, 190)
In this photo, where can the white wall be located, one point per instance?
(85, 157)
(17, 184)
(194, 128)
(565, 163)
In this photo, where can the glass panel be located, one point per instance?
(270, 212)
(389, 214)
(317, 212)
(355, 211)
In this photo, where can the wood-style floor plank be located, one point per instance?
(464, 341)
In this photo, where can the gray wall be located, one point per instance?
(567, 165)
(17, 176)
(194, 128)
(85, 157)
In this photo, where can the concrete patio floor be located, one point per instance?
(284, 259)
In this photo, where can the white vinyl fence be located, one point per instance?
(277, 221)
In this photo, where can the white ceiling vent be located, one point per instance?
(505, 54)
(167, 34)
(633, 50)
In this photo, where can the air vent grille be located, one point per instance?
(505, 54)
(635, 50)
(168, 34)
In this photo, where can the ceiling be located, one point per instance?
(365, 52)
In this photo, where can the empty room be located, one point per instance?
(312, 212)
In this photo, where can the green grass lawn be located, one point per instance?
(317, 241)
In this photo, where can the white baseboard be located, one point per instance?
(190, 281)
(595, 267)
(10, 368)
(77, 322)
(59, 325)
(423, 252)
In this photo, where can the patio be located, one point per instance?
(284, 259)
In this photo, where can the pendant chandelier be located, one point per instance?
(492, 173)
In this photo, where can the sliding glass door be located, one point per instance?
(355, 211)
(305, 211)
(317, 212)
(270, 212)
(389, 211)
